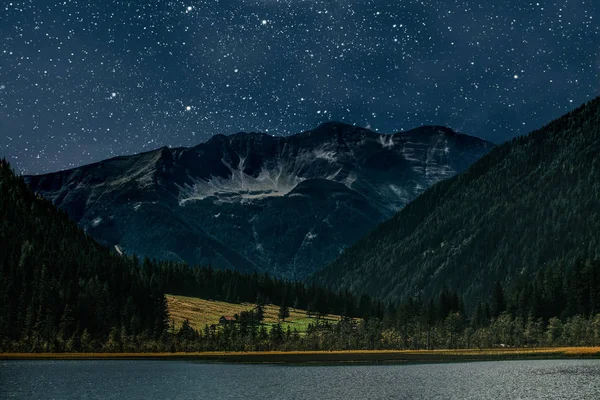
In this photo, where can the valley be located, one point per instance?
(501, 255)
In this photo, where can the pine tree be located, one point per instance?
(284, 312)
(259, 314)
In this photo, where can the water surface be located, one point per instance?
(147, 379)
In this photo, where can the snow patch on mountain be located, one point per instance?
(434, 170)
(410, 151)
(403, 195)
(387, 141)
(310, 236)
(323, 154)
(350, 179)
(240, 186)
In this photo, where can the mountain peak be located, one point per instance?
(336, 128)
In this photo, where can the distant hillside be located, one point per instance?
(254, 202)
(530, 203)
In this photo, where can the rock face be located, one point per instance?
(250, 201)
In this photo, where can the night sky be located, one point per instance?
(81, 81)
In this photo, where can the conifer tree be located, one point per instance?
(284, 312)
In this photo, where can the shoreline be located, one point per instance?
(332, 357)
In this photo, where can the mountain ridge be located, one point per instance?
(420, 130)
(235, 192)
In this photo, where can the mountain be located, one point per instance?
(254, 202)
(530, 204)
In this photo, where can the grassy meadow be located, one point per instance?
(202, 312)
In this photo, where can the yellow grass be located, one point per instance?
(202, 312)
(361, 356)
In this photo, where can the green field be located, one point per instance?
(202, 312)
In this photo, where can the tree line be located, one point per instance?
(517, 316)
(558, 308)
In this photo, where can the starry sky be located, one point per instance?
(85, 80)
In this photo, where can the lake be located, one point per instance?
(147, 379)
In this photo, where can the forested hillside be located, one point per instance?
(530, 204)
(58, 288)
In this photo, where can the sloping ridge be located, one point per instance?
(530, 203)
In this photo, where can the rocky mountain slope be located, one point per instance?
(530, 204)
(251, 201)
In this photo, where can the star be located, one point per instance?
(261, 65)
